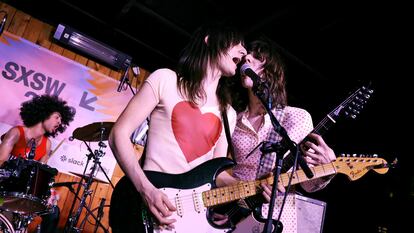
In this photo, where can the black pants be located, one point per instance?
(50, 221)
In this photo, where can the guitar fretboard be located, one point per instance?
(249, 188)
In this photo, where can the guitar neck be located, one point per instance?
(249, 188)
(320, 129)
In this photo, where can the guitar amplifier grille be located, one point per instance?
(310, 214)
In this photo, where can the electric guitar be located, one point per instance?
(354, 167)
(349, 108)
(193, 193)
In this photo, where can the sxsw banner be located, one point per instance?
(27, 69)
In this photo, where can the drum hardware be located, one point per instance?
(14, 222)
(26, 189)
(5, 225)
(4, 174)
(95, 132)
(100, 213)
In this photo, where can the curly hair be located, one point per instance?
(273, 73)
(42, 107)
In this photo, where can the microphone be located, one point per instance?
(246, 70)
(3, 22)
(123, 80)
(32, 149)
(65, 184)
(260, 88)
(269, 147)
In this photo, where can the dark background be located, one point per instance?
(330, 48)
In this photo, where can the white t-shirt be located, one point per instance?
(180, 135)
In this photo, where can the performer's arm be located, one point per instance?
(7, 144)
(138, 109)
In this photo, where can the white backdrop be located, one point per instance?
(27, 69)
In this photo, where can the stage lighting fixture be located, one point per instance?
(91, 47)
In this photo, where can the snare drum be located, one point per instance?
(27, 188)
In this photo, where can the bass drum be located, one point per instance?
(5, 225)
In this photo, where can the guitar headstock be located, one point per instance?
(353, 105)
(355, 167)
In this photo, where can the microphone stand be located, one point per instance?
(125, 80)
(286, 142)
(31, 154)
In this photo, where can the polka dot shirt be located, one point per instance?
(298, 124)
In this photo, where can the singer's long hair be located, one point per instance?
(40, 108)
(273, 73)
(198, 54)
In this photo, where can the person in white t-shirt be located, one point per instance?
(185, 108)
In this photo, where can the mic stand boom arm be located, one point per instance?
(286, 142)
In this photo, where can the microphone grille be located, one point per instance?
(243, 68)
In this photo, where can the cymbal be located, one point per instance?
(95, 132)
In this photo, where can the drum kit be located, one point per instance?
(25, 185)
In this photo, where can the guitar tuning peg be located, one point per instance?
(367, 90)
(363, 99)
(354, 155)
(358, 106)
(394, 163)
(342, 155)
(375, 155)
(353, 116)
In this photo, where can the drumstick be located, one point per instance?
(57, 147)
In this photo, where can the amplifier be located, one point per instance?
(310, 214)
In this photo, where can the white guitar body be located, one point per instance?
(249, 225)
(191, 214)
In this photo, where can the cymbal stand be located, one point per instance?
(73, 219)
(90, 155)
(100, 213)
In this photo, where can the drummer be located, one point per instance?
(43, 117)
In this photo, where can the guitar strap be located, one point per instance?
(228, 135)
